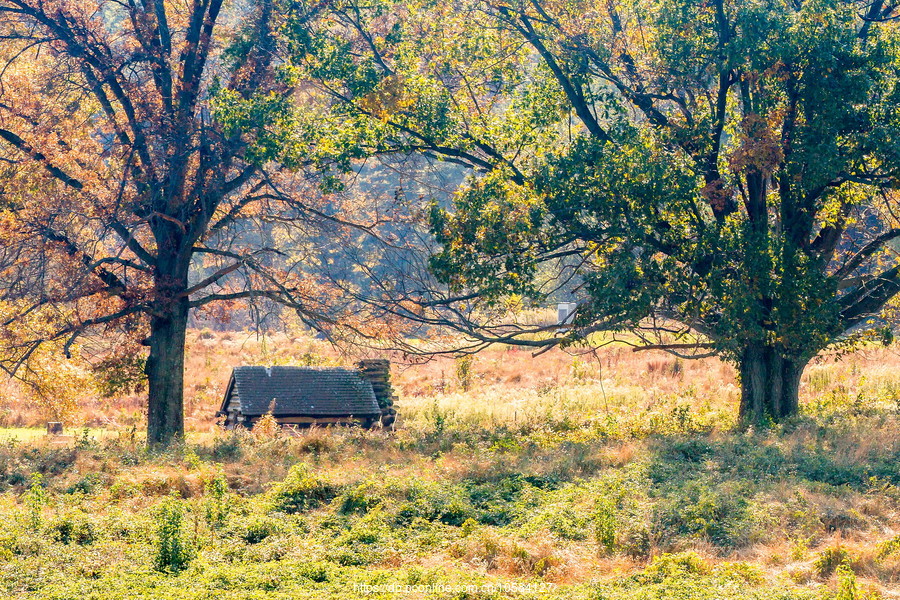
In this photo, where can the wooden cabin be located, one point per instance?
(305, 396)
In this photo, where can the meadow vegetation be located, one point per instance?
(607, 476)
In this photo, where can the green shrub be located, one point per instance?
(847, 589)
(301, 490)
(318, 572)
(799, 548)
(228, 447)
(124, 489)
(605, 525)
(669, 566)
(36, 499)
(434, 502)
(360, 499)
(699, 509)
(634, 540)
(817, 464)
(84, 440)
(6, 552)
(73, 528)
(370, 529)
(566, 523)
(742, 571)
(217, 501)
(85, 485)
(690, 449)
(496, 502)
(439, 420)
(469, 527)
(173, 552)
(829, 560)
(888, 548)
(16, 478)
(259, 528)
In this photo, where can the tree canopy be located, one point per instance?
(128, 198)
(709, 176)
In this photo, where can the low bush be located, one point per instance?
(888, 548)
(361, 499)
(829, 560)
(73, 528)
(217, 501)
(701, 509)
(605, 525)
(173, 551)
(434, 502)
(257, 528)
(667, 566)
(301, 491)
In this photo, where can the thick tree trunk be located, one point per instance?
(770, 384)
(165, 374)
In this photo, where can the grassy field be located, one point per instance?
(619, 475)
(15, 435)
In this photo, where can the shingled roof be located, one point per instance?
(309, 391)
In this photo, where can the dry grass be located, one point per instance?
(508, 384)
(658, 424)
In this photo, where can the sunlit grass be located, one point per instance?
(583, 472)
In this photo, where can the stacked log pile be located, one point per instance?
(378, 372)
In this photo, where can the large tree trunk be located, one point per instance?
(165, 374)
(770, 383)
